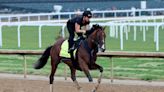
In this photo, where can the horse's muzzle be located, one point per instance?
(102, 49)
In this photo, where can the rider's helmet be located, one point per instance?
(87, 13)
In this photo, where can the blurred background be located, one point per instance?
(35, 6)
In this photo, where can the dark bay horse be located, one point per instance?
(85, 56)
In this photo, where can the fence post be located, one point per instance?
(103, 15)
(25, 66)
(65, 72)
(111, 70)
(59, 17)
(0, 36)
(126, 32)
(147, 27)
(40, 36)
(19, 19)
(163, 22)
(18, 32)
(38, 18)
(121, 36)
(69, 16)
(63, 33)
(116, 32)
(154, 34)
(49, 17)
(28, 18)
(135, 33)
(144, 34)
(157, 38)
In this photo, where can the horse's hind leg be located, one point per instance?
(73, 76)
(54, 65)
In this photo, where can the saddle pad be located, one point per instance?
(64, 50)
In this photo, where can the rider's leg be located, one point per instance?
(71, 37)
(71, 42)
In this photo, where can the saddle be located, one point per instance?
(78, 42)
(64, 47)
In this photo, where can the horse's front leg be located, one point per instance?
(98, 84)
(96, 66)
(86, 71)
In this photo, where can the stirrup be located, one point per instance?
(71, 49)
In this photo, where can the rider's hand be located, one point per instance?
(84, 31)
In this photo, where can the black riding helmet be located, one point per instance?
(87, 13)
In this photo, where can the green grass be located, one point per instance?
(139, 44)
(29, 37)
(135, 68)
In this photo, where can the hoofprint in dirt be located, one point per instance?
(16, 83)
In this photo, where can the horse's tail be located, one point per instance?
(43, 59)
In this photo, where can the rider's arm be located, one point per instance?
(78, 30)
(86, 27)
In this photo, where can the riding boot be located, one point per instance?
(72, 58)
(71, 45)
(71, 49)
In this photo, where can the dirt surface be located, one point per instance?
(10, 83)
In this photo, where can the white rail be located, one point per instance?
(103, 14)
(111, 25)
(123, 27)
(40, 25)
(117, 24)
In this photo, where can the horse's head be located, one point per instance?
(97, 35)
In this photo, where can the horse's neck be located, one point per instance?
(90, 43)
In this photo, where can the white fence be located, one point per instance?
(119, 24)
(124, 27)
(110, 55)
(113, 27)
(66, 15)
(30, 24)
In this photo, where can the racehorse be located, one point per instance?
(85, 56)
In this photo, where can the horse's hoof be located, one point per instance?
(80, 90)
(90, 80)
(101, 69)
(93, 90)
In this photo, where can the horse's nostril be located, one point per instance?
(103, 50)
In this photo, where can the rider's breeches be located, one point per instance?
(71, 36)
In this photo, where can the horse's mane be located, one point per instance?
(59, 37)
(94, 27)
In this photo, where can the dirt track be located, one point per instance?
(32, 85)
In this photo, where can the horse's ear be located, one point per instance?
(94, 26)
(104, 27)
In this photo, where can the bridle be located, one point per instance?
(96, 40)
